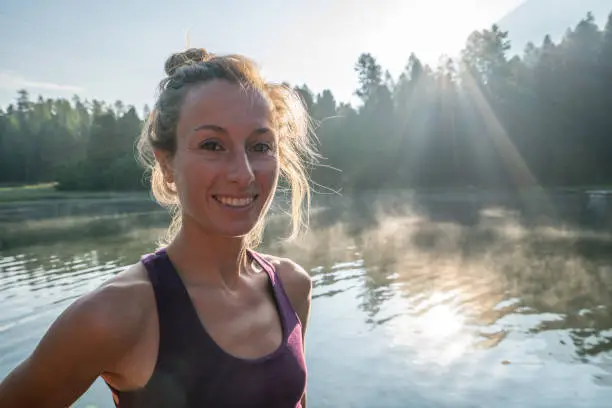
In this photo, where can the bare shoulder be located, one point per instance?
(124, 300)
(296, 280)
(92, 334)
(113, 313)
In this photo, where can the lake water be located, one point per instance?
(435, 300)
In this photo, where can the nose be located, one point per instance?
(240, 169)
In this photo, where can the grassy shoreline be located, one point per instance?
(47, 191)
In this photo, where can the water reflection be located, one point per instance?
(469, 276)
(455, 302)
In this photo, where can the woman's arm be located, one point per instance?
(303, 312)
(90, 335)
(298, 285)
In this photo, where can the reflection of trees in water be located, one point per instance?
(43, 265)
(480, 255)
(70, 229)
(483, 255)
(375, 291)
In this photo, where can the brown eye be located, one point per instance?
(211, 145)
(262, 147)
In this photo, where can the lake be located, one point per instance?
(436, 299)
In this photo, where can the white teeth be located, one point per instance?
(235, 202)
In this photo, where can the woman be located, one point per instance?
(205, 321)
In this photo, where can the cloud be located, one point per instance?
(12, 81)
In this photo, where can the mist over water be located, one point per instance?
(440, 299)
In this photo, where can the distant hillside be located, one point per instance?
(532, 20)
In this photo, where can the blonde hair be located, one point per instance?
(195, 66)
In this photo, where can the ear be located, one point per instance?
(164, 158)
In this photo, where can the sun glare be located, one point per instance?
(433, 28)
(441, 322)
(437, 331)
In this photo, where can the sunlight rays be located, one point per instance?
(513, 160)
(414, 120)
(521, 176)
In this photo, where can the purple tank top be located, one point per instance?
(192, 371)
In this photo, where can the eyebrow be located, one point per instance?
(214, 128)
(219, 129)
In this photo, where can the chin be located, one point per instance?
(235, 231)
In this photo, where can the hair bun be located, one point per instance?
(186, 57)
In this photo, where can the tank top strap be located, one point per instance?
(266, 265)
(174, 309)
(277, 286)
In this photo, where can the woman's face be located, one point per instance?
(225, 168)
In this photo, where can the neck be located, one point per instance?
(205, 259)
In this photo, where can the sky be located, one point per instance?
(533, 20)
(115, 49)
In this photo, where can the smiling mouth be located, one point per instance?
(236, 202)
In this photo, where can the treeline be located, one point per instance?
(82, 145)
(487, 119)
